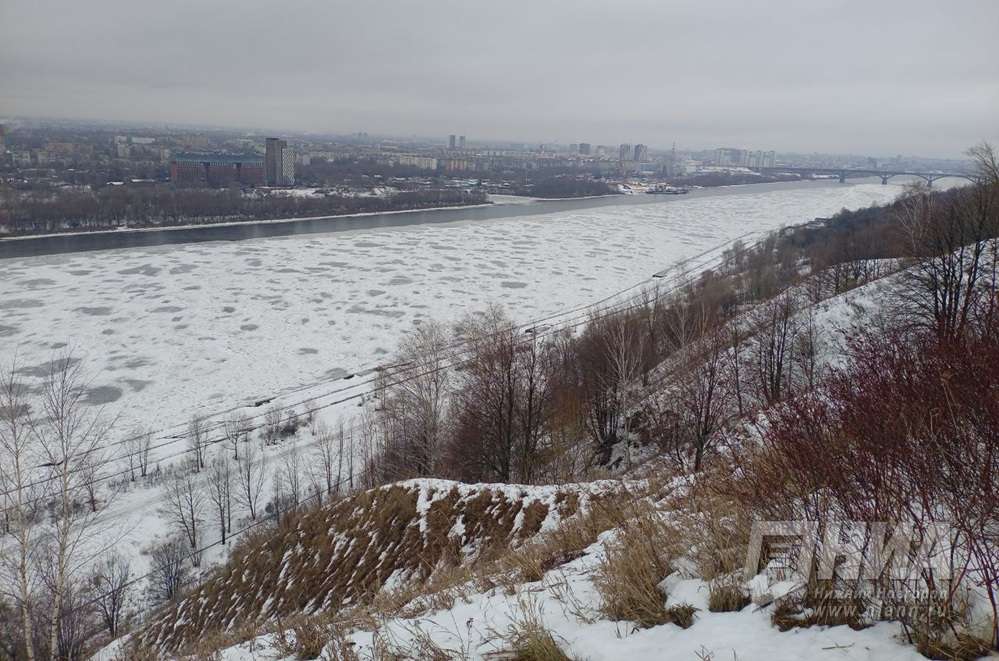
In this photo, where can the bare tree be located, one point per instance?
(704, 394)
(272, 425)
(327, 459)
(184, 505)
(250, 474)
(807, 347)
(950, 237)
(111, 582)
(197, 440)
(137, 451)
(775, 330)
(235, 428)
(484, 446)
(68, 435)
(168, 572)
(291, 475)
(502, 401)
(219, 481)
(20, 500)
(734, 362)
(414, 402)
(88, 469)
(625, 352)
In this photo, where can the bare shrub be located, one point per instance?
(169, 570)
(111, 582)
(843, 452)
(272, 425)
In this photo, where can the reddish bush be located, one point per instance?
(907, 431)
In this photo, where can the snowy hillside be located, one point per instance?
(518, 599)
(385, 538)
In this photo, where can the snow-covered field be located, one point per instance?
(170, 331)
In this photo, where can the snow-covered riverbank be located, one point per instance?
(170, 331)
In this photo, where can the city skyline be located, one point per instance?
(912, 77)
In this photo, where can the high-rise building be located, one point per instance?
(122, 146)
(288, 167)
(761, 159)
(274, 162)
(584, 148)
(461, 142)
(641, 153)
(731, 156)
(452, 141)
(3, 139)
(624, 152)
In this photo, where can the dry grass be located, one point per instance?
(635, 563)
(308, 638)
(344, 552)
(527, 638)
(136, 651)
(682, 615)
(954, 647)
(716, 527)
(727, 596)
(819, 608)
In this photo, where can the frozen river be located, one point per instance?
(172, 330)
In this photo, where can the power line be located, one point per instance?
(528, 325)
(367, 470)
(231, 535)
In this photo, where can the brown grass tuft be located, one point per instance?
(682, 615)
(636, 561)
(957, 647)
(527, 639)
(726, 596)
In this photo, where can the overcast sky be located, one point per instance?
(861, 76)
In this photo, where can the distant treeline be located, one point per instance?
(566, 187)
(138, 206)
(708, 179)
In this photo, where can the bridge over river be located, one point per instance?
(844, 173)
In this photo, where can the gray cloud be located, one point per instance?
(891, 76)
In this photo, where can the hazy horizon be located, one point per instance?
(834, 76)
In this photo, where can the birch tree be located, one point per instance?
(20, 501)
(69, 434)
